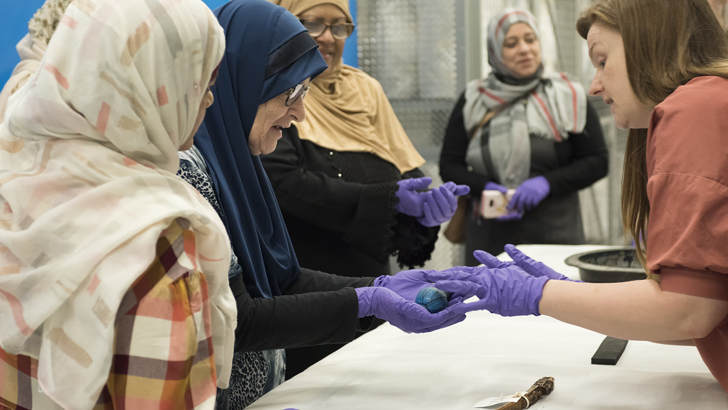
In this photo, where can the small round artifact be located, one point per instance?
(433, 299)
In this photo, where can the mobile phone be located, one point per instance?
(494, 204)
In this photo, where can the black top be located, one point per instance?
(317, 308)
(339, 209)
(582, 159)
(568, 166)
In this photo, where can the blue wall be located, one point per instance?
(14, 25)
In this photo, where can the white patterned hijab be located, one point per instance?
(554, 107)
(88, 154)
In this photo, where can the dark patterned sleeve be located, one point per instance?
(192, 169)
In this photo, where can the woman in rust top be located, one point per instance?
(665, 79)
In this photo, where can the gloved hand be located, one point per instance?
(529, 194)
(492, 186)
(441, 203)
(410, 201)
(406, 315)
(507, 291)
(521, 260)
(408, 283)
(511, 216)
(532, 267)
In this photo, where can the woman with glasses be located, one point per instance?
(524, 131)
(260, 89)
(347, 178)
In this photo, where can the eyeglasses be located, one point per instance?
(299, 91)
(339, 31)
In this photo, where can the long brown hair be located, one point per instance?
(666, 44)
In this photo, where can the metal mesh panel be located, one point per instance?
(409, 46)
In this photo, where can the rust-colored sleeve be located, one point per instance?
(687, 167)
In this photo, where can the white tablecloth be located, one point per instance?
(488, 355)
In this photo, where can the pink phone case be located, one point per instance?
(493, 203)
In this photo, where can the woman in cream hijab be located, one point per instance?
(113, 271)
(341, 177)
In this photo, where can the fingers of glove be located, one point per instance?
(449, 274)
(511, 216)
(411, 275)
(461, 190)
(419, 183)
(472, 306)
(492, 186)
(529, 203)
(450, 186)
(446, 202)
(449, 322)
(489, 260)
(455, 299)
(524, 262)
(460, 287)
(428, 219)
(516, 203)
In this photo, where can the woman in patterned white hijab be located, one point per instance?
(91, 210)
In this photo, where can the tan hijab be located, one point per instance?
(347, 109)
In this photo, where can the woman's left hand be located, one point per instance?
(440, 203)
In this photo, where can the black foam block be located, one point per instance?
(609, 351)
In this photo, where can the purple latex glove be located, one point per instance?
(406, 315)
(507, 291)
(532, 267)
(441, 203)
(511, 216)
(521, 260)
(529, 194)
(408, 283)
(410, 200)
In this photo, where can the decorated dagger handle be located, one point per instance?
(542, 387)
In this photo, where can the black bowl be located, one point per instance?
(607, 265)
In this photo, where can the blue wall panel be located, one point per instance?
(351, 54)
(14, 25)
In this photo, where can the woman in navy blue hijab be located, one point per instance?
(263, 77)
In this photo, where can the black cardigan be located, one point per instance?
(318, 308)
(339, 209)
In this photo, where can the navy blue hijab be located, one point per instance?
(268, 52)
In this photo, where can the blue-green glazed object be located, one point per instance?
(433, 299)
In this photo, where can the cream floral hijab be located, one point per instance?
(87, 161)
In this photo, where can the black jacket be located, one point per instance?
(339, 208)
